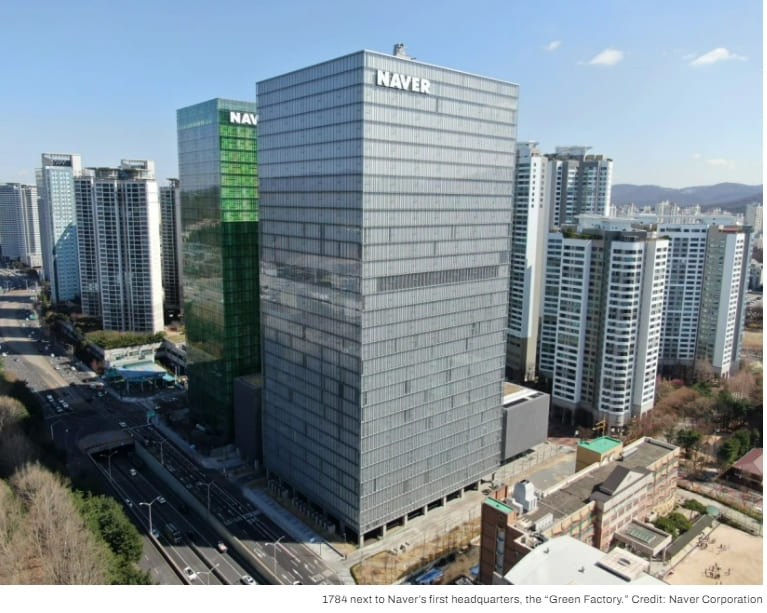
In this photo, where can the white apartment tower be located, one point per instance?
(119, 209)
(550, 191)
(722, 303)
(58, 225)
(528, 234)
(577, 183)
(707, 277)
(19, 223)
(170, 233)
(753, 217)
(87, 244)
(603, 304)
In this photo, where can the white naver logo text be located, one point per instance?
(401, 81)
(250, 119)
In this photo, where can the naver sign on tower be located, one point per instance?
(401, 81)
(249, 119)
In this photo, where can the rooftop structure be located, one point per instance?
(568, 561)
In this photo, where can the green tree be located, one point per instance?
(674, 523)
(688, 440)
(694, 505)
(729, 451)
(105, 516)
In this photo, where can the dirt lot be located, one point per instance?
(731, 557)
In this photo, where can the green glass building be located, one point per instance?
(219, 225)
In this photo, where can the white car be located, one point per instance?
(221, 546)
(161, 500)
(122, 424)
(247, 580)
(133, 472)
(190, 574)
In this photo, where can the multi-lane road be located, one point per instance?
(73, 410)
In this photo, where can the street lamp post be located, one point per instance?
(274, 554)
(149, 506)
(207, 572)
(319, 542)
(58, 421)
(109, 462)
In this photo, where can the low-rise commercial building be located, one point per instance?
(591, 506)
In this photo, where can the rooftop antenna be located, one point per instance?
(399, 51)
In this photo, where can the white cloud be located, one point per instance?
(721, 162)
(552, 46)
(716, 55)
(608, 57)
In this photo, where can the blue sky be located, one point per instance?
(671, 90)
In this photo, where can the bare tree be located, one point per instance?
(68, 553)
(15, 447)
(741, 385)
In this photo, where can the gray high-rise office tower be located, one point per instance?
(386, 197)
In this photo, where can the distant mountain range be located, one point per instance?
(731, 197)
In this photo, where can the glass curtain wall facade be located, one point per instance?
(58, 223)
(386, 196)
(219, 225)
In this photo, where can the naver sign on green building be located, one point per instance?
(250, 119)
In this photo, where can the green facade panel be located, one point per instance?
(219, 218)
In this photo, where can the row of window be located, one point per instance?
(441, 277)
